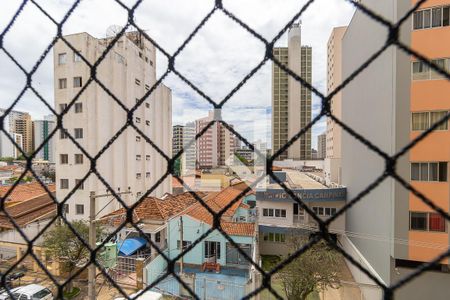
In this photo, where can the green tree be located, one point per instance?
(62, 244)
(314, 270)
(7, 159)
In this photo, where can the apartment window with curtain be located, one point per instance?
(77, 82)
(423, 120)
(78, 133)
(62, 83)
(79, 209)
(63, 159)
(426, 221)
(78, 159)
(64, 184)
(436, 17)
(431, 17)
(78, 107)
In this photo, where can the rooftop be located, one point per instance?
(26, 191)
(28, 211)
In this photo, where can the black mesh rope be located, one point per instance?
(392, 40)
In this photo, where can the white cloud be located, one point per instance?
(216, 59)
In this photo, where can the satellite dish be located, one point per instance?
(113, 30)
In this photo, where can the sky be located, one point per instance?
(216, 59)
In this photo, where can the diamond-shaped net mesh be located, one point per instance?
(392, 39)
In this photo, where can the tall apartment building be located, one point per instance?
(333, 167)
(41, 130)
(177, 139)
(7, 148)
(128, 71)
(20, 123)
(322, 146)
(291, 101)
(391, 103)
(216, 145)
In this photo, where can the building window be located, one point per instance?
(138, 195)
(158, 237)
(423, 120)
(79, 159)
(137, 81)
(434, 17)
(66, 208)
(62, 83)
(185, 244)
(446, 16)
(62, 107)
(147, 87)
(138, 175)
(274, 237)
(138, 157)
(64, 184)
(76, 57)
(77, 82)
(63, 159)
(418, 221)
(77, 181)
(271, 212)
(78, 107)
(63, 134)
(147, 105)
(147, 122)
(138, 138)
(79, 208)
(138, 120)
(212, 249)
(437, 17)
(429, 171)
(78, 133)
(62, 57)
(426, 221)
(147, 157)
(147, 174)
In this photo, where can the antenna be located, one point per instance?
(113, 30)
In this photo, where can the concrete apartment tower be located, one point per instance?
(216, 145)
(291, 102)
(177, 139)
(333, 169)
(41, 130)
(20, 123)
(7, 148)
(392, 102)
(321, 146)
(182, 135)
(128, 71)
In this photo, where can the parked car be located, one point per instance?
(29, 292)
(148, 295)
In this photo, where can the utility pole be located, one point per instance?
(181, 244)
(93, 238)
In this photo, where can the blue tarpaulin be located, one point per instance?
(131, 245)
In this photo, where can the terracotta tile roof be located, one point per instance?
(28, 211)
(10, 168)
(217, 203)
(152, 208)
(25, 191)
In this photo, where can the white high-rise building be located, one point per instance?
(41, 130)
(127, 161)
(7, 148)
(321, 146)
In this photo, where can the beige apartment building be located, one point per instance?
(321, 146)
(291, 102)
(20, 123)
(128, 71)
(216, 145)
(334, 132)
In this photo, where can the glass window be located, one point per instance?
(437, 17)
(445, 16)
(270, 212)
(327, 211)
(63, 159)
(427, 18)
(78, 107)
(271, 236)
(436, 222)
(41, 294)
(443, 171)
(436, 116)
(277, 213)
(63, 134)
(64, 183)
(265, 212)
(283, 213)
(333, 211)
(138, 138)
(77, 181)
(62, 107)
(77, 82)
(76, 57)
(62, 83)
(418, 20)
(433, 167)
(320, 211)
(420, 120)
(78, 159)
(418, 221)
(79, 208)
(424, 171)
(62, 57)
(78, 133)
(212, 250)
